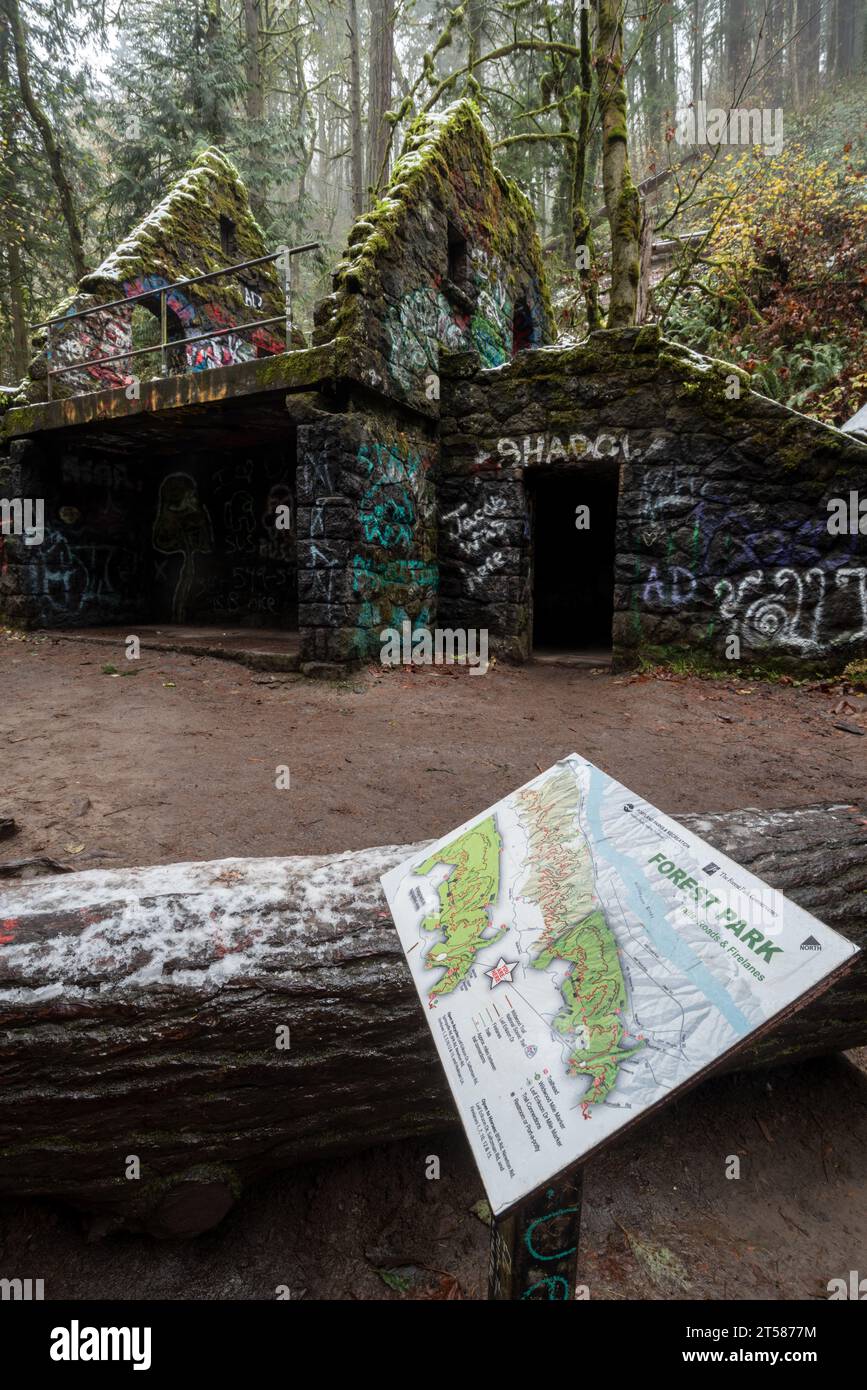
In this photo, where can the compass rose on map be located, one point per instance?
(502, 972)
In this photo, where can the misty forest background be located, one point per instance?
(104, 102)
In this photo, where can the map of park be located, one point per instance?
(465, 899)
(560, 882)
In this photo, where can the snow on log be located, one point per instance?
(218, 1021)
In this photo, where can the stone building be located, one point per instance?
(442, 461)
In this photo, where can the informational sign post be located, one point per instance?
(581, 959)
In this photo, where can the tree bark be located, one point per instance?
(380, 76)
(53, 149)
(254, 100)
(842, 56)
(141, 1010)
(622, 201)
(11, 218)
(807, 51)
(738, 51)
(356, 149)
(581, 227)
(696, 51)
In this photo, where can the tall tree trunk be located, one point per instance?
(20, 345)
(356, 149)
(737, 49)
(842, 55)
(583, 239)
(53, 149)
(806, 50)
(379, 80)
(696, 50)
(254, 99)
(255, 96)
(9, 217)
(214, 109)
(622, 201)
(650, 81)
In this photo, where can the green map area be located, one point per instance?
(560, 881)
(594, 997)
(464, 897)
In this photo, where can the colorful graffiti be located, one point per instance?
(776, 584)
(105, 333)
(417, 327)
(394, 577)
(102, 334)
(394, 500)
(424, 321)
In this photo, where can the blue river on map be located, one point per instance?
(651, 913)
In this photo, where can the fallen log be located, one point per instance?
(218, 1021)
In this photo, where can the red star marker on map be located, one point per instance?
(502, 971)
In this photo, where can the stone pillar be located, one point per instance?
(366, 536)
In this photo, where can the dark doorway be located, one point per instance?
(573, 569)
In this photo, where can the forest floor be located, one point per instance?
(175, 757)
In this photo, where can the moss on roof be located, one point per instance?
(180, 237)
(435, 147)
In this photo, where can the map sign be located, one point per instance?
(580, 956)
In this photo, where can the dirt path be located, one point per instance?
(661, 1219)
(176, 757)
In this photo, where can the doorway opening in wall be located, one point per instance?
(573, 565)
(185, 536)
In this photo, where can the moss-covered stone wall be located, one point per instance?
(449, 257)
(203, 223)
(722, 528)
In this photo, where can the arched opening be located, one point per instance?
(145, 325)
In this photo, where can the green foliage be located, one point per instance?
(856, 674)
(783, 286)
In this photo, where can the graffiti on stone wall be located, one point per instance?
(90, 565)
(182, 527)
(480, 533)
(108, 332)
(417, 327)
(775, 583)
(424, 320)
(70, 577)
(388, 590)
(490, 326)
(787, 608)
(102, 334)
(241, 565)
(394, 500)
(394, 575)
(553, 450)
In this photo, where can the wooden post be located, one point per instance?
(534, 1248)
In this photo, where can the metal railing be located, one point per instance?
(285, 254)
